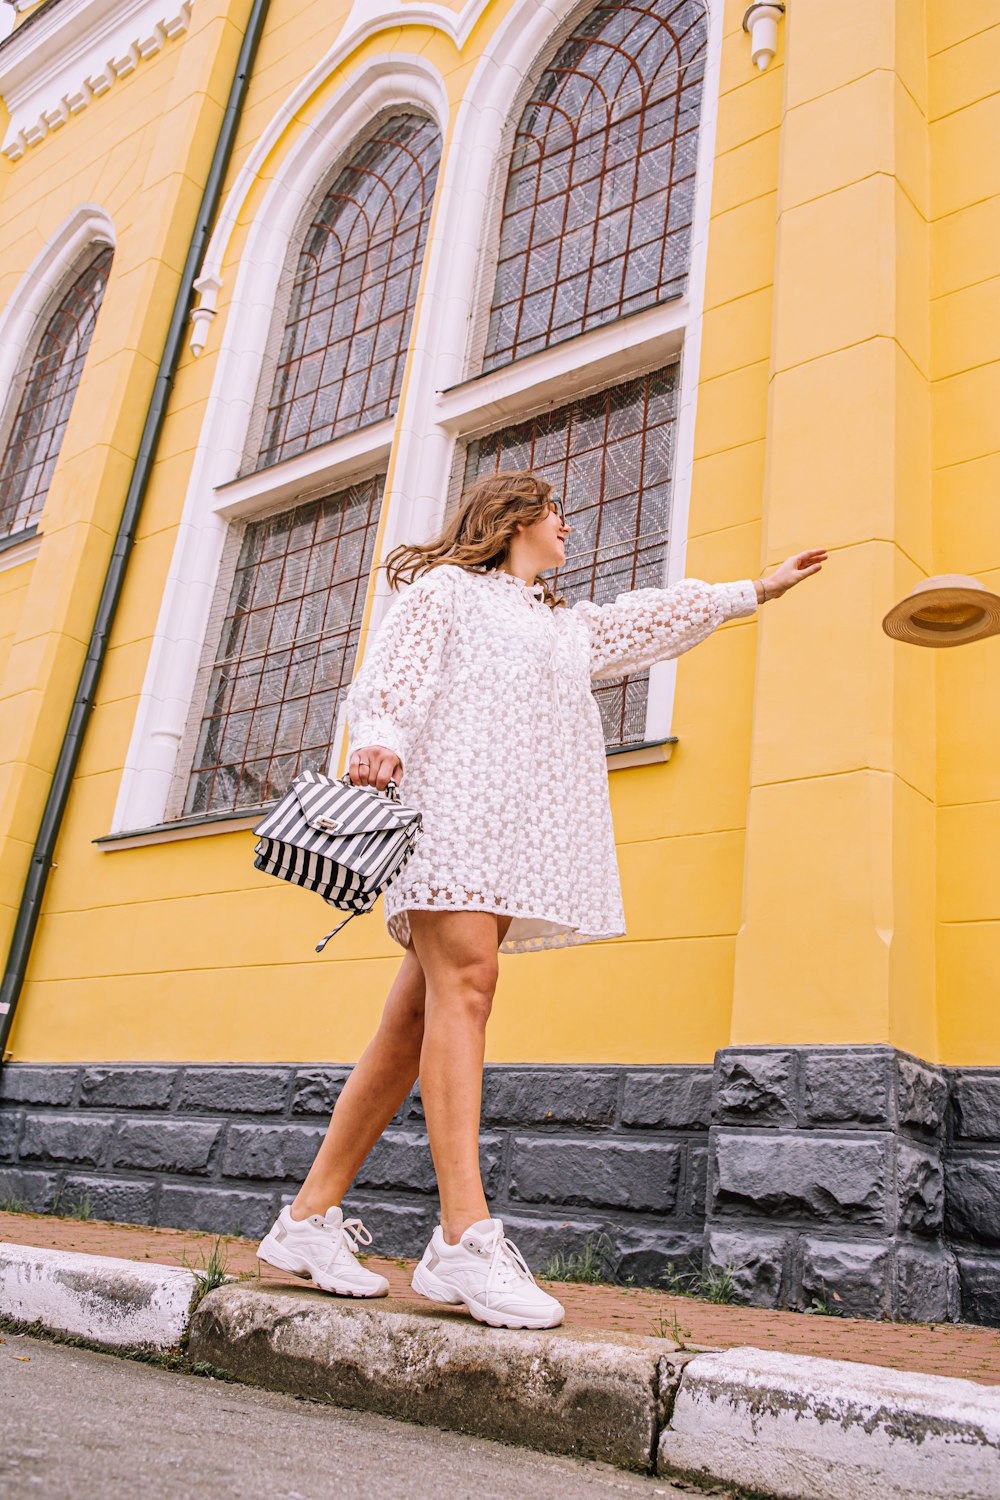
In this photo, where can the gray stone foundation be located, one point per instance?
(852, 1178)
(566, 1153)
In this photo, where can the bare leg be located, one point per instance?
(458, 954)
(379, 1082)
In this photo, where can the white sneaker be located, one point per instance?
(486, 1271)
(322, 1249)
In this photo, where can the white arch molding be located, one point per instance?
(392, 81)
(87, 228)
(423, 442)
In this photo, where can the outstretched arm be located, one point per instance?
(651, 625)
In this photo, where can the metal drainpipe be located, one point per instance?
(84, 698)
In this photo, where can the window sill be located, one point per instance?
(19, 547)
(649, 753)
(197, 827)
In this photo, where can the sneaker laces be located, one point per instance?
(507, 1264)
(355, 1234)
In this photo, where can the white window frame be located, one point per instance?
(217, 494)
(439, 407)
(87, 230)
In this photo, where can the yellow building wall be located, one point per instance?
(964, 91)
(779, 871)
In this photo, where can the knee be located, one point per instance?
(471, 992)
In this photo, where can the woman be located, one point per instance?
(477, 691)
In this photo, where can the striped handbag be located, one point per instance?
(345, 842)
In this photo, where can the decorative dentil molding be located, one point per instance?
(54, 68)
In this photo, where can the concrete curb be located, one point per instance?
(825, 1429)
(576, 1394)
(782, 1425)
(121, 1304)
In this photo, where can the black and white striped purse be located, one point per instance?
(345, 842)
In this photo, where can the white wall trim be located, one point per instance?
(86, 226)
(394, 80)
(53, 68)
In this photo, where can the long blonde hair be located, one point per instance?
(479, 535)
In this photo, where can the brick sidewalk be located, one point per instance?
(956, 1349)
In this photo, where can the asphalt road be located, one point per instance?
(83, 1426)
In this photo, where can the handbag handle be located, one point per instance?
(390, 790)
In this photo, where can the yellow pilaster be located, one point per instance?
(836, 943)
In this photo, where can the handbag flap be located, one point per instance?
(331, 807)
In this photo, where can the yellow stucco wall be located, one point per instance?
(964, 94)
(803, 869)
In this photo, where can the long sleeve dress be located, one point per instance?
(483, 691)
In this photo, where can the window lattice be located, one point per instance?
(287, 649)
(47, 398)
(341, 361)
(609, 457)
(597, 214)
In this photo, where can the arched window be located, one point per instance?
(340, 365)
(36, 432)
(597, 213)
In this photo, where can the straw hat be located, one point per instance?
(950, 609)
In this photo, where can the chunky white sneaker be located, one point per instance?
(322, 1249)
(486, 1271)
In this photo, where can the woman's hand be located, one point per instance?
(374, 765)
(792, 571)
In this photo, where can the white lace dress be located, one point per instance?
(483, 692)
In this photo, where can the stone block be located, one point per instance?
(697, 1181)
(165, 1145)
(924, 1285)
(11, 1121)
(757, 1264)
(755, 1088)
(973, 1200)
(847, 1276)
(121, 1304)
(668, 1098)
(845, 1086)
(273, 1152)
(250, 1091)
(549, 1096)
(979, 1285)
(31, 1190)
(920, 1190)
(540, 1239)
(756, 1422)
(639, 1175)
(553, 1390)
(27, 1083)
(397, 1227)
(649, 1257)
(921, 1095)
(976, 1106)
(401, 1159)
(220, 1210)
(117, 1198)
(127, 1088)
(316, 1090)
(803, 1177)
(80, 1139)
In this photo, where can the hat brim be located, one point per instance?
(902, 622)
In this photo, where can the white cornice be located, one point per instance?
(53, 67)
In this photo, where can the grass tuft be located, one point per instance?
(592, 1265)
(211, 1271)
